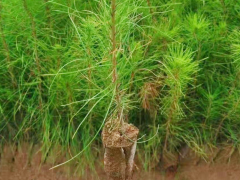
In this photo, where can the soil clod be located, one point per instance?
(120, 148)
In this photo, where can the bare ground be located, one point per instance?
(21, 165)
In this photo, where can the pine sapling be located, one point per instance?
(179, 67)
(119, 138)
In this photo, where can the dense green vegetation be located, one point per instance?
(178, 65)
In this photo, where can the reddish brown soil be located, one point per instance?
(18, 165)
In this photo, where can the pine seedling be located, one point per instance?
(196, 26)
(232, 102)
(211, 104)
(179, 67)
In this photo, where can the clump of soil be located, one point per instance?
(120, 147)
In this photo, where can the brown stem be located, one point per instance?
(34, 36)
(48, 13)
(225, 117)
(149, 4)
(220, 126)
(151, 10)
(231, 111)
(224, 8)
(70, 97)
(90, 104)
(169, 121)
(114, 58)
(114, 43)
(6, 48)
(69, 3)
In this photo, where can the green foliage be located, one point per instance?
(178, 66)
(179, 69)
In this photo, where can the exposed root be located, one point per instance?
(129, 156)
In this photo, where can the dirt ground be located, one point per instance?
(19, 165)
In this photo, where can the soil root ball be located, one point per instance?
(120, 147)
